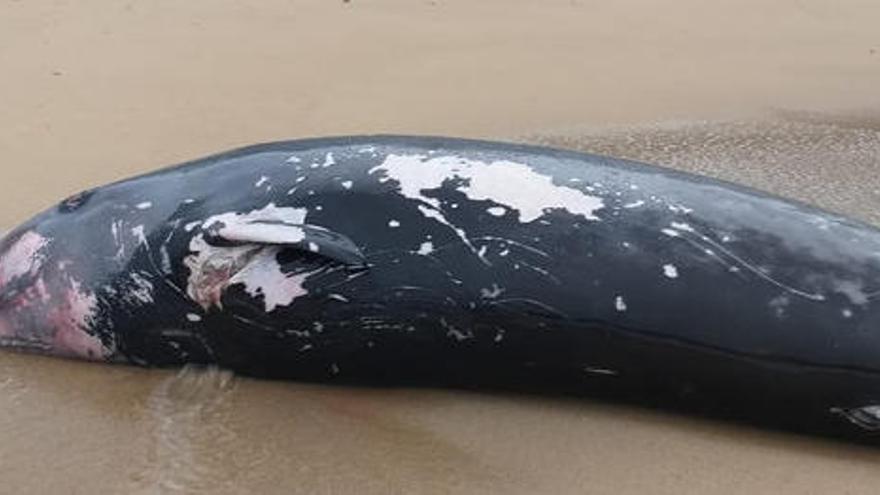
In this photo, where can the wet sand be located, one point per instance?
(780, 96)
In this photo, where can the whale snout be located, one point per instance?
(42, 308)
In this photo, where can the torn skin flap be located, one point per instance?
(311, 238)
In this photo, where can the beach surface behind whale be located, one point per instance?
(781, 96)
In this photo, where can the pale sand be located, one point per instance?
(778, 95)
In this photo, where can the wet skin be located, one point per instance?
(396, 260)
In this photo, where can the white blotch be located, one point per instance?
(313, 247)
(778, 305)
(619, 303)
(426, 248)
(143, 206)
(190, 226)
(193, 317)
(25, 256)
(634, 204)
(854, 291)
(347, 184)
(262, 275)
(262, 180)
(497, 211)
(293, 159)
(393, 224)
(188, 201)
(847, 313)
(328, 160)
(138, 233)
(492, 292)
(514, 185)
(670, 271)
(670, 232)
(269, 224)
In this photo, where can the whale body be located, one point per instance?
(447, 262)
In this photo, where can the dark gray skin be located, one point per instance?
(444, 262)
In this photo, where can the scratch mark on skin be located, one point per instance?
(541, 271)
(144, 206)
(515, 243)
(600, 371)
(533, 302)
(683, 227)
(865, 417)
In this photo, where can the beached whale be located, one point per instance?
(447, 262)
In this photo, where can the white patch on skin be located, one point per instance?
(138, 233)
(241, 225)
(680, 209)
(193, 317)
(514, 185)
(293, 159)
(426, 248)
(71, 320)
(190, 226)
(619, 304)
(188, 201)
(328, 160)
(144, 206)
(262, 180)
(497, 211)
(213, 269)
(778, 304)
(313, 247)
(263, 276)
(634, 204)
(23, 257)
(452, 331)
(393, 224)
(670, 271)
(670, 232)
(847, 313)
(491, 293)
(347, 184)
(854, 291)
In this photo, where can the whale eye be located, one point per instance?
(75, 202)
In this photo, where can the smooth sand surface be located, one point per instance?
(779, 95)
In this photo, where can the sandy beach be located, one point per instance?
(781, 96)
